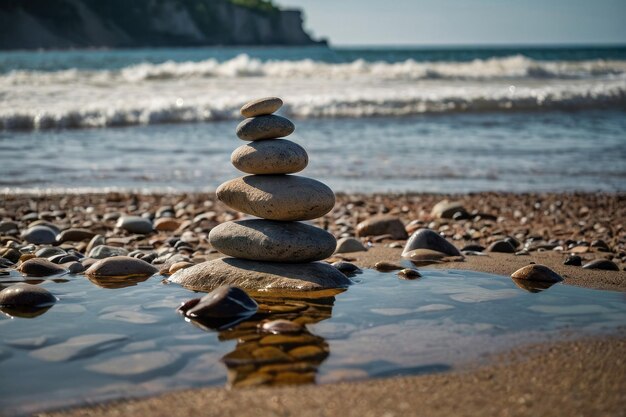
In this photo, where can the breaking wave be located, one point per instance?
(211, 90)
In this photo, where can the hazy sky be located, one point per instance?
(426, 22)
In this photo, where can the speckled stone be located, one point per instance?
(265, 127)
(277, 197)
(272, 156)
(261, 106)
(274, 241)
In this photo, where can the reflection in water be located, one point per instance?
(532, 286)
(264, 358)
(25, 313)
(117, 282)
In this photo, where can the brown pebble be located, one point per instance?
(386, 266)
(409, 273)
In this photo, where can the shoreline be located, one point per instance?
(580, 377)
(585, 376)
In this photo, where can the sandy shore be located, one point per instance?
(585, 377)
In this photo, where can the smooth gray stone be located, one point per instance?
(104, 251)
(260, 276)
(382, 225)
(271, 156)
(120, 266)
(135, 224)
(261, 106)
(277, 197)
(273, 241)
(49, 252)
(445, 209)
(348, 245)
(26, 296)
(429, 239)
(603, 264)
(39, 235)
(78, 347)
(265, 127)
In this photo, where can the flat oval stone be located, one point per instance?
(603, 264)
(269, 240)
(272, 156)
(429, 239)
(40, 267)
(277, 197)
(536, 272)
(120, 266)
(382, 225)
(104, 251)
(26, 296)
(40, 235)
(260, 276)
(75, 235)
(262, 106)
(135, 224)
(265, 127)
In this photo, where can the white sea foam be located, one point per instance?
(210, 90)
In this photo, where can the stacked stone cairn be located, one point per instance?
(275, 250)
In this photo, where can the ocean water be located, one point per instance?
(386, 119)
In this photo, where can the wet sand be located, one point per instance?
(584, 377)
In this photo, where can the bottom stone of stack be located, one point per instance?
(260, 276)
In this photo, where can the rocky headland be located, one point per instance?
(64, 24)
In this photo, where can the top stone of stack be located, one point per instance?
(261, 107)
(261, 123)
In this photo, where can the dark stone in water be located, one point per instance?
(223, 307)
(409, 273)
(429, 239)
(573, 260)
(26, 296)
(501, 246)
(225, 301)
(386, 266)
(63, 258)
(532, 286)
(603, 264)
(40, 267)
(346, 267)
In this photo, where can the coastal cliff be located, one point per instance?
(62, 24)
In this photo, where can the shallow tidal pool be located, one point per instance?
(107, 340)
